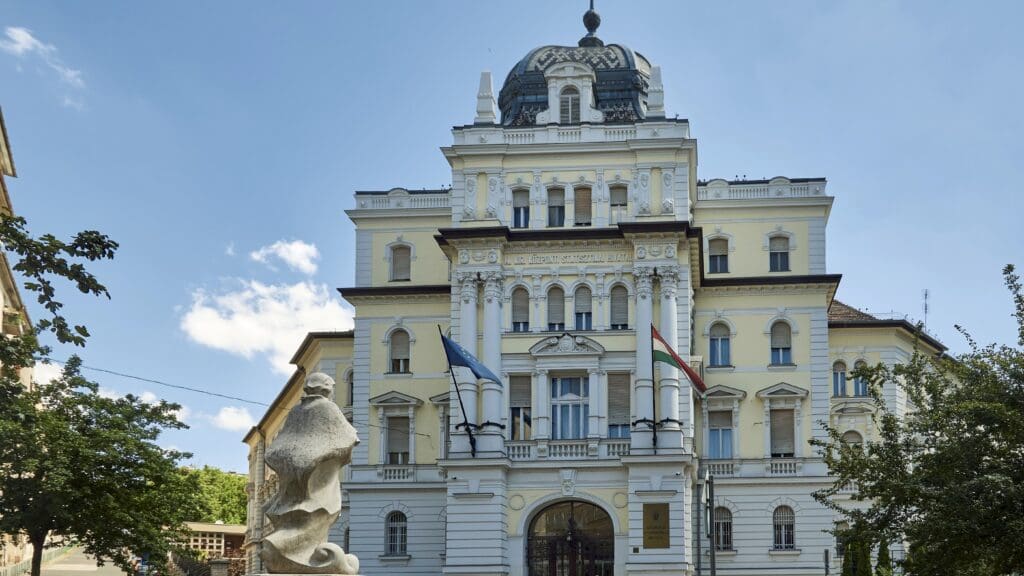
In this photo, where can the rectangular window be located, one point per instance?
(521, 217)
(720, 434)
(782, 355)
(520, 407)
(556, 208)
(570, 408)
(397, 439)
(782, 433)
(719, 264)
(718, 256)
(618, 405)
(778, 248)
(582, 207)
(719, 352)
(779, 262)
(618, 204)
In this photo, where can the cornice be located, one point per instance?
(896, 324)
(391, 292)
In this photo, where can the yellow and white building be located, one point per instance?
(575, 221)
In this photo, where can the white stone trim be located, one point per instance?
(779, 231)
(531, 510)
(721, 320)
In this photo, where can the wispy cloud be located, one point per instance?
(266, 320)
(230, 249)
(44, 373)
(297, 254)
(22, 44)
(233, 418)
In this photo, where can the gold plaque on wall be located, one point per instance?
(656, 533)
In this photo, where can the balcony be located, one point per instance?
(401, 473)
(489, 135)
(760, 189)
(720, 468)
(591, 449)
(783, 467)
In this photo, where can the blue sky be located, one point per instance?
(197, 134)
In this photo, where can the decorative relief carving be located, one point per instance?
(568, 482)
(492, 256)
(566, 344)
(464, 256)
(643, 277)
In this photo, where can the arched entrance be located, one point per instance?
(571, 538)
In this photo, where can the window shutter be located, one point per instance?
(556, 197)
(618, 399)
(519, 391)
(618, 196)
(719, 331)
(583, 299)
(778, 244)
(520, 305)
(620, 305)
(781, 335)
(718, 247)
(556, 306)
(782, 431)
(582, 205)
(720, 419)
(398, 434)
(399, 344)
(400, 257)
(520, 199)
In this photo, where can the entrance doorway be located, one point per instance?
(571, 538)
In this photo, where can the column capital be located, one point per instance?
(492, 286)
(593, 370)
(642, 277)
(540, 372)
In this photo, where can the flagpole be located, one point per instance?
(654, 395)
(465, 421)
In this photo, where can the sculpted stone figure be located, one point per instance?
(307, 455)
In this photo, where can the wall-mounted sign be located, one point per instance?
(656, 532)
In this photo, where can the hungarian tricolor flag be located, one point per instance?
(664, 353)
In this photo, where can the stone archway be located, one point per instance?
(571, 538)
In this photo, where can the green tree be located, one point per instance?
(863, 559)
(222, 494)
(948, 476)
(883, 566)
(848, 556)
(75, 464)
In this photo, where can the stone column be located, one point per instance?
(642, 432)
(412, 434)
(382, 437)
(440, 429)
(798, 440)
(467, 337)
(669, 382)
(541, 405)
(493, 397)
(595, 402)
(767, 428)
(705, 430)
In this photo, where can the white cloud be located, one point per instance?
(21, 43)
(44, 373)
(233, 418)
(263, 319)
(296, 254)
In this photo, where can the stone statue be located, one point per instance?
(307, 455)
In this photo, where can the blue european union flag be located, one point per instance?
(459, 356)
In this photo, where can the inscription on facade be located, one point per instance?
(568, 258)
(656, 534)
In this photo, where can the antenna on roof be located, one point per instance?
(924, 295)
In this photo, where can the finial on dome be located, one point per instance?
(592, 20)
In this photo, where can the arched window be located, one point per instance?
(723, 528)
(719, 345)
(784, 522)
(351, 381)
(839, 379)
(853, 438)
(556, 208)
(520, 310)
(778, 254)
(569, 105)
(400, 352)
(581, 206)
(583, 309)
(556, 309)
(401, 257)
(618, 199)
(718, 257)
(782, 343)
(860, 383)
(397, 535)
(521, 209)
(619, 308)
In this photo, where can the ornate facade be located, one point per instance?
(574, 222)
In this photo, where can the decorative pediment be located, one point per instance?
(443, 399)
(722, 392)
(782, 390)
(566, 345)
(395, 399)
(848, 406)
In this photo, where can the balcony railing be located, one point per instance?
(720, 468)
(568, 449)
(783, 467)
(397, 473)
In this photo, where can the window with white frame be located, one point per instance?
(781, 430)
(397, 535)
(520, 407)
(582, 304)
(718, 256)
(521, 209)
(398, 439)
(618, 405)
(784, 523)
(581, 207)
(839, 379)
(723, 528)
(618, 200)
(569, 105)
(860, 383)
(782, 343)
(778, 254)
(556, 309)
(719, 352)
(520, 310)
(399, 350)
(556, 208)
(720, 432)
(619, 298)
(401, 263)
(570, 407)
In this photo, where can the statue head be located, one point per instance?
(319, 384)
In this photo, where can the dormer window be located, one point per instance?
(569, 105)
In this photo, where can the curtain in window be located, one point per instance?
(618, 196)
(719, 345)
(520, 406)
(618, 405)
(781, 335)
(619, 307)
(398, 440)
(718, 247)
(778, 244)
(520, 198)
(400, 263)
(556, 309)
(520, 309)
(521, 209)
(839, 379)
(582, 206)
(583, 300)
(782, 433)
(720, 434)
(399, 351)
(556, 207)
